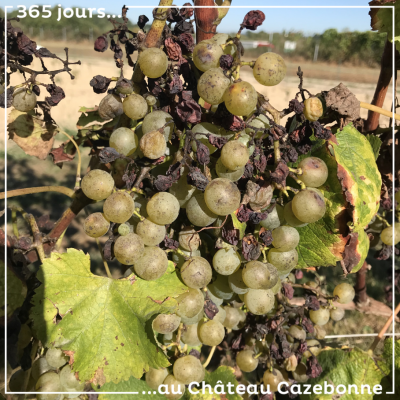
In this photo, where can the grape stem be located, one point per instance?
(382, 219)
(249, 63)
(41, 189)
(14, 222)
(298, 181)
(210, 355)
(384, 329)
(78, 168)
(104, 261)
(136, 213)
(379, 110)
(297, 171)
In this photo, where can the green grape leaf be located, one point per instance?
(375, 143)
(345, 367)
(106, 324)
(352, 194)
(225, 375)
(16, 291)
(241, 226)
(90, 118)
(136, 386)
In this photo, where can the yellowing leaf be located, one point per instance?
(105, 323)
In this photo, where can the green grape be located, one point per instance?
(240, 98)
(226, 261)
(387, 236)
(166, 323)
(220, 316)
(188, 369)
(151, 100)
(190, 303)
(163, 208)
(296, 332)
(337, 314)
(300, 373)
(284, 261)
(269, 69)
(153, 145)
(96, 225)
(245, 361)
(257, 275)
(196, 273)
(39, 367)
(308, 205)
(319, 332)
(189, 335)
(320, 317)
(124, 229)
(197, 211)
(128, 249)
(23, 100)
(206, 128)
(56, 358)
(69, 382)
(213, 297)
(124, 140)
(125, 86)
(259, 301)
(182, 190)
(175, 388)
(273, 220)
(193, 320)
(245, 139)
(152, 264)
(222, 196)
(291, 278)
(48, 382)
(153, 62)
(290, 218)
(236, 282)
(219, 38)
(223, 172)
(97, 184)
(18, 380)
(135, 106)
(157, 120)
(206, 55)
(257, 127)
(345, 293)
(189, 239)
(315, 172)
(151, 233)
(211, 333)
(242, 320)
(313, 108)
(220, 288)
(180, 259)
(274, 378)
(232, 317)
(285, 238)
(110, 107)
(212, 85)
(313, 348)
(119, 207)
(234, 155)
(155, 377)
(278, 286)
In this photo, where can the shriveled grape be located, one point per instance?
(198, 213)
(285, 238)
(153, 62)
(308, 205)
(269, 69)
(110, 107)
(211, 333)
(240, 98)
(188, 369)
(234, 155)
(222, 196)
(212, 85)
(259, 301)
(313, 108)
(119, 207)
(124, 140)
(166, 323)
(97, 184)
(152, 234)
(314, 171)
(226, 261)
(96, 225)
(128, 249)
(153, 145)
(152, 264)
(245, 360)
(196, 273)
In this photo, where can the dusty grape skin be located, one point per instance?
(285, 238)
(155, 377)
(211, 333)
(135, 106)
(226, 261)
(196, 273)
(124, 141)
(222, 196)
(152, 264)
(240, 98)
(119, 207)
(163, 208)
(153, 145)
(153, 62)
(212, 85)
(308, 205)
(152, 234)
(246, 361)
(189, 239)
(166, 323)
(128, 249)
(345, 293)
(236, 282)
(206, 55)
(96, 225)
(190, 303)
(290, 218)
(234, 155)
(198, 213)
(110, 107)
(97, 184)
(256, 275)
(188, 369)
(314, 172)
(258, 301)
(269, 69)
(313, 108)
(24, 101)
